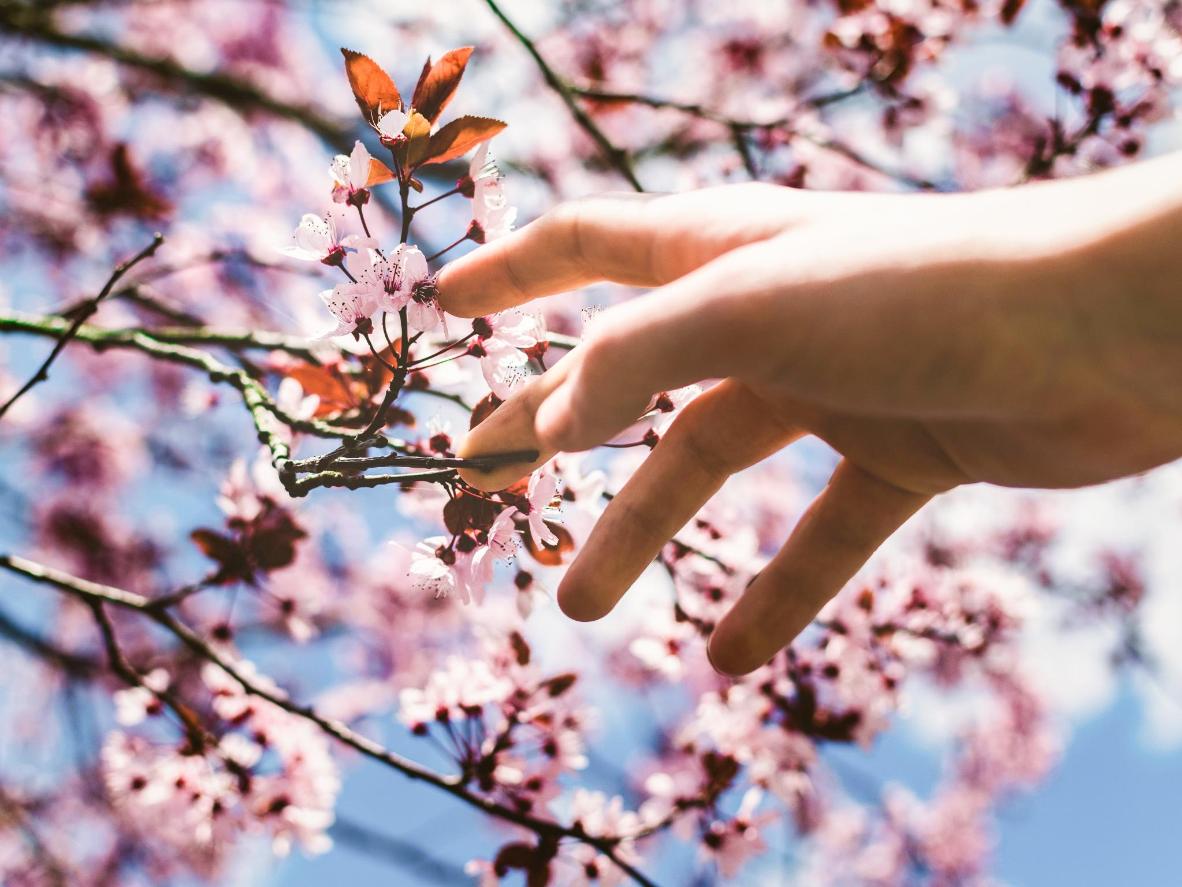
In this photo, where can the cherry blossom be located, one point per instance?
(350, 174)
(391, 124)
(543, 485)
(500, 344)
(136, 703)
(317, 240)
(353, 305)
(244, 480)
(433, 569)
(492, 216)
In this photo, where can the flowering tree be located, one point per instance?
(158, 555)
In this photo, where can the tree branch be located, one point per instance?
(95, 594)
(81, 315)
(231, 91)
(616, 157)
(739, 127)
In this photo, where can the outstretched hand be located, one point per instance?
(933, 340)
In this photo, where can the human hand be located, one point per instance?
(933, 340)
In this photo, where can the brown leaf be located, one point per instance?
(517, 855)
(468, 512)
(379, 173)
(226, 552)
(417, 146)
(1010, 10)
(483, 409)
(273, 538)
(126, 191)
(461, 135)
(550, 556)
(437, 84)
(559, 684)
(372, 87)
(520, 648)
(336, 393)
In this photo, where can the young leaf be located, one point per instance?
(438, 82)
(461, 135)
(379, 173)
(417, 146)
(372, 87)
(546, 555)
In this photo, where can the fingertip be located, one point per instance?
(729, 659)
(578, 603)
(453, 291)
(714, 664)
(744, 641)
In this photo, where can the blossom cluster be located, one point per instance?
(338, 556)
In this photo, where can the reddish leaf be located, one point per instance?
(514, 856)
(438, 82)
(468, 512)
(372, 87)
(1010, 10)
(483, 409)
(336, 393)
(521, 650)
(414, 151)
(559, 684)
(460, 136)
(379, 173)
(223, 550)
(550, 556)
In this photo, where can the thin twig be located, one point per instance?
(82, 314)
(616, 157)
(259, 403)
(480, 463)
(94, 593)
(231, 91)
(740, 127)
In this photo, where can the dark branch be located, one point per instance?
(616, 157)
(80, 316)
(96, 594)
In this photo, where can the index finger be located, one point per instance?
(634, 239)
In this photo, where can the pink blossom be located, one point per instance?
(350, 175)
(492, 216)
(353, 305)
(433, 569)
(461, 687)
(391, 124)
(317, 240)
(136, 703)
(500, 343)
(540, 497)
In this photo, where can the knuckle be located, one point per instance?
(699, 446)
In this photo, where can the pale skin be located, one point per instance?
(1028, 337)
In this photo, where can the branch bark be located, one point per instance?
(81, 314)
(96, 595)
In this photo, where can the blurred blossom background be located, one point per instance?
(997, 699)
